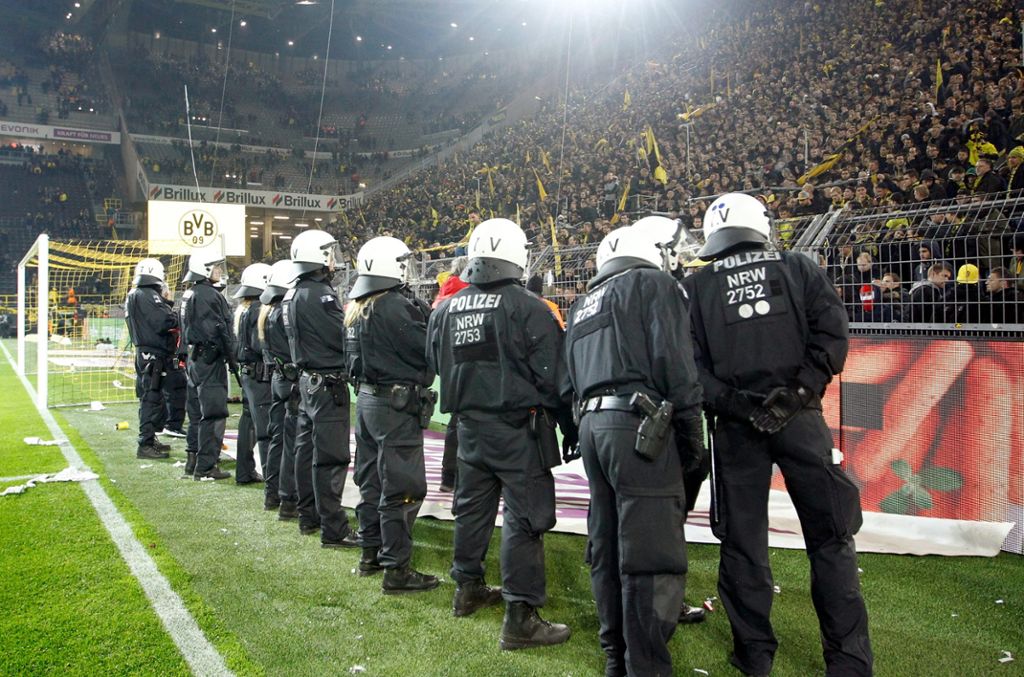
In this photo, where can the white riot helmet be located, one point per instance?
(382, 263)
(313, 250)
(203, 263)
(282, 278)
(734, 219)
(668, 235)
(497, 251)
(254, 280)
(627, 248)
(148, 271)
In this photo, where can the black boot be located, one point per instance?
(523, 628)
(691, 614)
(406, 579)
(288, 511)
(190, 464)
(160, 446)
(368, 563)
(150, 452)
(271, 503)
(472, 596)
(214, 473)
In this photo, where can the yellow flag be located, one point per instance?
(660, 175)
(543, 194)
(434, 215)
(622, 201)
(626, 100)
(554, 244)
(600, 143)
(647, 136)
(653, 144)
(938, 76)
(828, 164)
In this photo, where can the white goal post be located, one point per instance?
(40, 251)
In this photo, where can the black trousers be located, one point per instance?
(391, 477)
(148, 370)
(210, 380)
(828, 505)
(450, 458)
(253, 427)
(321, 444)
(174, 388)
(499, 460)
(279, 468)
(194, 413)
(637, 544)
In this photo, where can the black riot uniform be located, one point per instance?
(630, 334)
(253, 426)
(150, 323)
(499, 353)
(279, 465)
(770, 323)
(315, 324)
(172, 418)
(386, 354)
(206, 329)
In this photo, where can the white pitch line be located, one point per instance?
(196, 649)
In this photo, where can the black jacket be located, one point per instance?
(315, 324)
(763, 319)
(498, 349)
(150, 320)
(388, 345)
(275, 345)
(630, 333)
(206, 319)
(249, 349)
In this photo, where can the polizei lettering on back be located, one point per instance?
(745, 259)
(461, 304)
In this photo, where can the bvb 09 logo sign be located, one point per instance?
(198, 228)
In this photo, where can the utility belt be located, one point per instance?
(205, 352)
(261, 371)
(407, 398)
(333, 381)
(155, 366)
(542, 428)
(655, 424)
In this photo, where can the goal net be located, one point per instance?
(73, 344)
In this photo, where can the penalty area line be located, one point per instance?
(195, 648)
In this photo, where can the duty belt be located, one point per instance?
(378, 390)
(607, 402)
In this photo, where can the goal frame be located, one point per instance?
(40, 249)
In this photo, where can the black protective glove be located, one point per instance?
(690, 443)
(570, 434)
(779, 407)
(738, 404)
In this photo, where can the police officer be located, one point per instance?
(150, 322)
(315, 324)
(174, 385)
(499, 353)
(385, 345)
(206, 329)
(631, 366)
(770, 333)
(254, 422)
(677, 245)
(279, 464)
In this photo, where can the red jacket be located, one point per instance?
(450, 288)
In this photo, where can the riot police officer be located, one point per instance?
(385, 345)
(253, 424)
(631, 365)
(770, 332)
(206, 329)
(315, 324)
(499, 353)
(279, 464)
(150, 322)
(677, 245)
(174, 385)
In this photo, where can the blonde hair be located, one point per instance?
(360, 308)
(261, 322)
(243, 305)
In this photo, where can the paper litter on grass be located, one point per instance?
(40, 442)
(65, 475)
(1007, 657)
(95, 406)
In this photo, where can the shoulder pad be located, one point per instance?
(188, 294)
(289, 294)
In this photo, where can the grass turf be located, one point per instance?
(274, 601)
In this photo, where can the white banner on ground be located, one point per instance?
(883, 533)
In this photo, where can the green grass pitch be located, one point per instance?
(273, 602)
